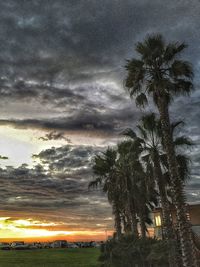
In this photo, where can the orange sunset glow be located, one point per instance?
(30, 230)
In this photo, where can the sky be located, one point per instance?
(62, 101)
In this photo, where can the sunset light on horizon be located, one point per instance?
(30, 230)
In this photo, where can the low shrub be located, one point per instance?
(131, 252)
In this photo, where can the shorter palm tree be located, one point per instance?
(104, 169)
(122, 177)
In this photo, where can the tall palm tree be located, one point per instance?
(159, 73)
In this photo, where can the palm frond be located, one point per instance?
(180, 47)
(135, 77)
(149, 122)
(129, 133)
(172, 49)
(141, 100)
(95, 183)
(142, 131)
(175, 125)
(183, 141)
(182, 87)
(183, 163)
(181, 68)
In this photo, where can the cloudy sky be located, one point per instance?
(62, 101)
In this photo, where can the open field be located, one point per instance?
(50, 258)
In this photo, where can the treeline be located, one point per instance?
(149, 168)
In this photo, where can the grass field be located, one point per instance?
(50, 258)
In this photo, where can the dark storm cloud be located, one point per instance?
(23, 90)
(69, 56)
(68, 157)
(59, 183)
(110, 122)
(76, 42)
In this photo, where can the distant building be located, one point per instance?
(193, 215)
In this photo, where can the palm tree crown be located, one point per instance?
(159, 72)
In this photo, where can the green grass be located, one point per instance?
(50, 258)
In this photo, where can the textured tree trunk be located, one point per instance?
(131, 207)
(166, 213)
(127, 221)
(134, 225)
(184, 228)
(142, 217)
(142, 209)
(143, 228)
(118, 226)
(167, 224)
(124, 223)
(142, 225)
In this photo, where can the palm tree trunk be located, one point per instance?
(142, 224)
(187, 246)
(167, 224)
(124, 223)
(134, 223)
(131, 206)
(118, 225)
(166, 220)
(134, 226)
(126, 220)
(142, 209)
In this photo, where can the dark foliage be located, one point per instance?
(133, 252)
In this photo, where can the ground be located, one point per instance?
(50, 258)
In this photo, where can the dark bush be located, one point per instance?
(131, 252)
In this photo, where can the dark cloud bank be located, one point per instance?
(59, 183)
(62, 71)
